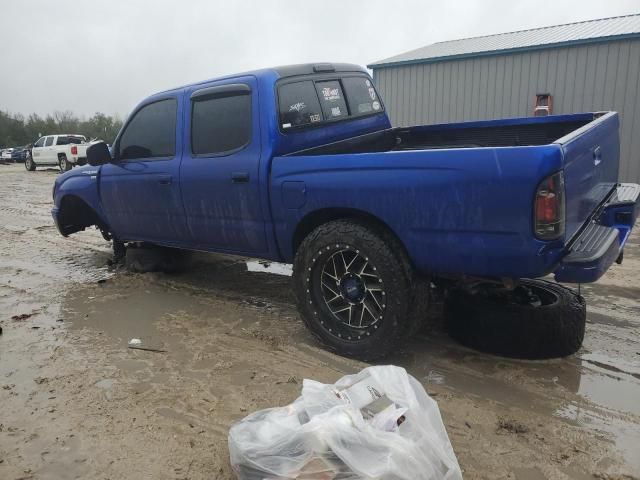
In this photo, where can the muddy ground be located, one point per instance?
(75, 402)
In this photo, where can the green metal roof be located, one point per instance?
(590, 31)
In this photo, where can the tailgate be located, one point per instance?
(591, 156)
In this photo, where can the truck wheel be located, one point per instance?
(64, 164)
(29, 164)
(353, 289)
(537, 320)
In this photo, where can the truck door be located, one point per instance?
(140, 191)
(47, 154)
(37, 149)
(220, 169)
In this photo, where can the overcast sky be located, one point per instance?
(89, 56)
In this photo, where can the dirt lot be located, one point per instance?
(75, 402)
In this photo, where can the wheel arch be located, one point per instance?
(319, 217)
(75, 215)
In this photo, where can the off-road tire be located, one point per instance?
(391, 265)
(64, 164)
(29, 164)
(420, 306)
(515, 330)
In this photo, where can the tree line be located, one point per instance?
(16, 130)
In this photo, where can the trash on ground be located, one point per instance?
(147, 349)
(136, 344)
(379, 423)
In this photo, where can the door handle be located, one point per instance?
(240, 177)
(165, 180)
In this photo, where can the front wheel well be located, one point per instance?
(314, 219)
(76, 215)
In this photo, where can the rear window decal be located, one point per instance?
(298, 107)
(331, 93)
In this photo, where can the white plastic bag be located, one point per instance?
(377, 424)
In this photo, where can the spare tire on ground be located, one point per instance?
(537, 320)
(152, 258)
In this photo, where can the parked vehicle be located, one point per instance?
(6, 154)
(20, 154)
(63, 150)
(300, 164)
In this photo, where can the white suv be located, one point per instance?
(63, 150)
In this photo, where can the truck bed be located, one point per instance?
(461, 196)
(496, 133)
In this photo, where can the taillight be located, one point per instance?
(549, 208)
(74, 150)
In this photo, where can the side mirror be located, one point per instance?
(98, 154)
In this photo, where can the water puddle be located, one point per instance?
(625, 434)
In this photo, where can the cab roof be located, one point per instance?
(282, 71)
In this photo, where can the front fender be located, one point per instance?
(81, 183)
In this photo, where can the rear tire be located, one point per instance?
(498, 325)
(64, 164)
(29, 164)
(353, 289)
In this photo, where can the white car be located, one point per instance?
(64, 150)
(6, 154)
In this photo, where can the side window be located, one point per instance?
(220, 123)
(49, 142)
(298, 104)
(332, 99)
(62, 140)
(151, 133)
(39, 143)
(361, 95)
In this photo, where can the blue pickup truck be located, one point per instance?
(300, 164)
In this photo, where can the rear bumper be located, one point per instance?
(602, 240)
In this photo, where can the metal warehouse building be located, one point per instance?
(578, 67)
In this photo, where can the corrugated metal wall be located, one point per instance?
(584, 78)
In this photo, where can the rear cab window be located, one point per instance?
(332, 99)
(363, 98)
(299, 104)
(317, 101)
(75, 139)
